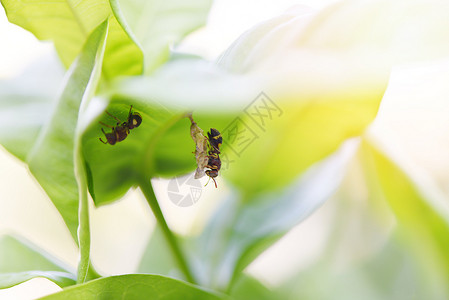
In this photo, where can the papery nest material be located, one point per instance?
(201, 141)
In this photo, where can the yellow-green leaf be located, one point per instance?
(68, 23)
(159, 24)
(135, 286)
(51, 158)
(422, 220)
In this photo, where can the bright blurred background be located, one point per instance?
(121, 231)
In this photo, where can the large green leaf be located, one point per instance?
(69, 23)
(161, 145)
(21, 261)
(114, 169)
(295, 130)
(158, 24)
(238, 232)
(317, 99)
(389, 274)
(81, 170)
(423, 219)
(383, 263)
(296, 121)
(295, 137)
(249, 288)
(156, 258)
(322, 89)
(318, 92)
(51, 158)
(26, 103)
(63, 279)
(135, 287)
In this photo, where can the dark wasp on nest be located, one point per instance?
(207, 152)
(214, 162)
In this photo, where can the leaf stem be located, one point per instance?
(83, 215)
(147, 189)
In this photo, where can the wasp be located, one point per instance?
(214, 163)
(121, 130)
(204, 158)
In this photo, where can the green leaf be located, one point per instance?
(307, 108)
(422, 219)
(326, 89)
(157, 258)
(239, 232)
(178, 253)
(135, 287)
(21, 261)
(158, 24)
(68, 24)
(250, 288)
(25, 104)
(207, 89)
(296, 125)
(18, 255)
(114, 169)
(51, 158)
(389, 273)
(62, 279)
(160, 146)
(81, 168)
(295, 137)
(81, 174)
(200, 85)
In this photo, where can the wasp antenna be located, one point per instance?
(117, 119)
(102, 141)
(106, 125)
(207, 182)
(214, 182)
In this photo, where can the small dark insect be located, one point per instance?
(214, 162)
(121, 130)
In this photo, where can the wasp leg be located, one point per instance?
(210, 147)
(117, 119)
(106, 125)
(213, 180)
(104, 135)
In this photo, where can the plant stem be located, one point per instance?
(147, 189)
